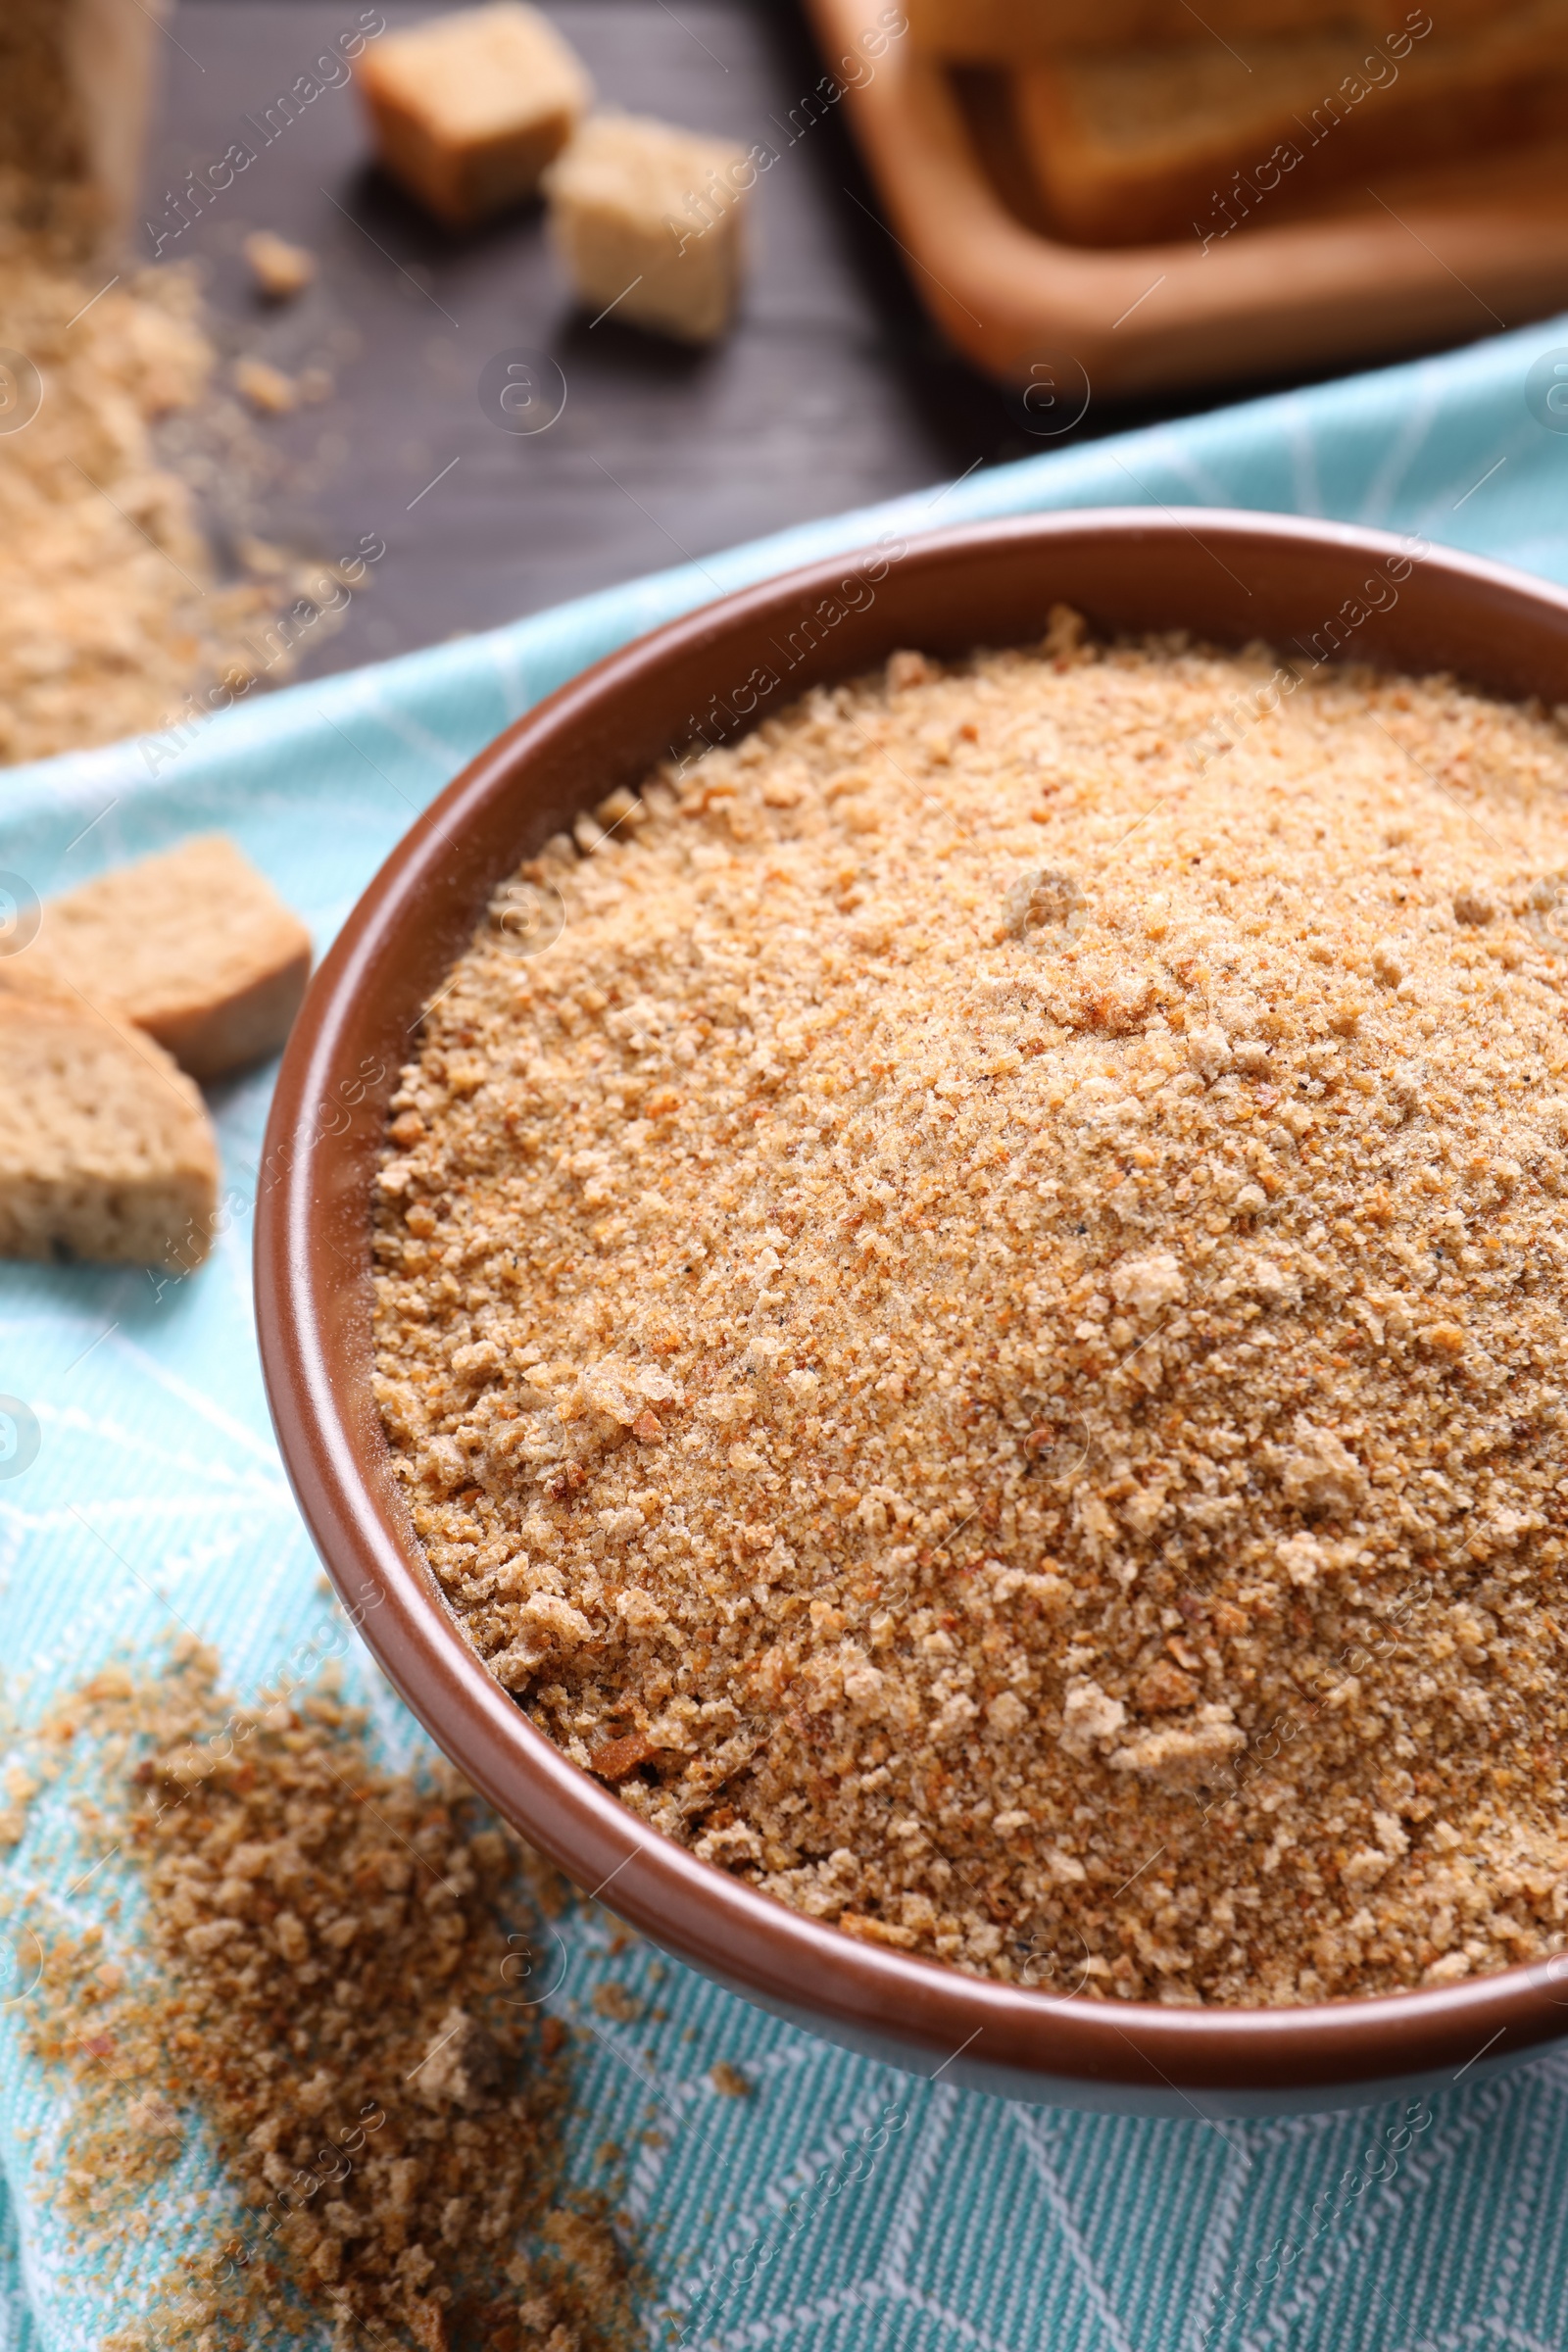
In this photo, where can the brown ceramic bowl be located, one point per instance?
(1229, 577)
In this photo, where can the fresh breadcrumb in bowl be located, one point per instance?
(982, 1334)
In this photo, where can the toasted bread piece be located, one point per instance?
(468, 109)
(106, 1150)
(195, 944)
(1009, 31)
(652, 220)
(1168, 142)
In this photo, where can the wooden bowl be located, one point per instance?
(1229, 577)
(1429, 254)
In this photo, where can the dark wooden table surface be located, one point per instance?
(833, 391)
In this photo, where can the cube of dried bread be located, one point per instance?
(195, 944)
(106, 1150)
(1164, 142)
(651, 222)
(468, 109)
(1004, 31)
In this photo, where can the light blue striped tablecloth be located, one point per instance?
(980, 2226)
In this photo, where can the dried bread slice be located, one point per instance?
(194, 945)
(106, 1150)
(1006, 31)
(1165, 141)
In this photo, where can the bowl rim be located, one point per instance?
(312, 1200)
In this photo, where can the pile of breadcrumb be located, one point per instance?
(111, 615)
(984, 1334)
(326, 1991)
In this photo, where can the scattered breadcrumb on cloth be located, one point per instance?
(315, 1989)
(982, 1335)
